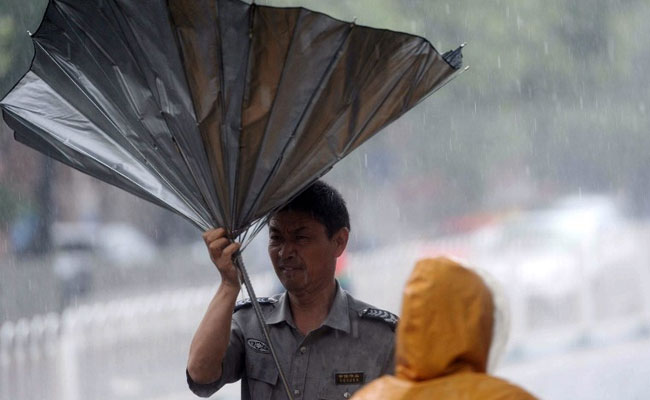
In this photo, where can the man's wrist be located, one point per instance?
(230, 287)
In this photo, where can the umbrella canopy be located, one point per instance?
(218, 110)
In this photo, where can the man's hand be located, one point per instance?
(221, 252)
(211, 339)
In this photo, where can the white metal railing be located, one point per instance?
(136, 348)
(133, 348)
(43, 357)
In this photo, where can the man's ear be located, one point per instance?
(341, 240)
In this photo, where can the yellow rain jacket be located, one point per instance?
(443, 340)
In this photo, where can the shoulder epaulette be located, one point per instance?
(380, 315)
(247, 302)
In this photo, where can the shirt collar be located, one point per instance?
(281, 312)
(338, 317)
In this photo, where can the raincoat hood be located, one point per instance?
(444, 338)
(446, 322)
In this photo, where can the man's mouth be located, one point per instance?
(289, 268)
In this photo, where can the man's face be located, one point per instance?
(303, 257)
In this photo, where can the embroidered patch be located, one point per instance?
(381, 315)
(258, 346)
(247, 302)
(349, 378)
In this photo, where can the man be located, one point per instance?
(445, 340)
(328, 343)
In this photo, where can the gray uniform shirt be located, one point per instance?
(354, 345)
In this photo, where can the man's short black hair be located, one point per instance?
(325, 204)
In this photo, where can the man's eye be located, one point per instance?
(302, 237)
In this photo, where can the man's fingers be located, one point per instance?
(213, 234)
(230, 250)
(218, 245)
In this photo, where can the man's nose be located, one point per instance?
(287, 250)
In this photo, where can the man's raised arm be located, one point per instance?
(213, 334)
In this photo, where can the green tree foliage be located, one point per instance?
(556, 94)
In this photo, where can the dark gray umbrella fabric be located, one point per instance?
(218, 110)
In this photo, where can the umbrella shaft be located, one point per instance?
(239, 263)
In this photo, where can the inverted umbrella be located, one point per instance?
(218, 110)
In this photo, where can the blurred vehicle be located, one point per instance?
(120, 244)
(550, 246)
(80, 248)
(566, 267)
(124, 246)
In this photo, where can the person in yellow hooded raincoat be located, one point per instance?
(443, 340)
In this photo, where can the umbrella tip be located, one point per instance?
(463, 44)
(29, 33)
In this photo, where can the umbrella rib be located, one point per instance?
(195, 179)
(327, 167)
(136, 150)
(354, 137)
(420, 73)
(436, 87)
(72, 29)
(194, 113)
(266, 128)
(326, 73)
(333, 121)
(234, 210)
(35, 141)
(79, 150)
(222, 102)
(448, 79)
(75, 32)
(376, 108)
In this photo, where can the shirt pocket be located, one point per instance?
(262, 375)
(337, 392)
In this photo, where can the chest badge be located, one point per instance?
(258, 346)
(349, 378)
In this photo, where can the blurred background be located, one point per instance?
(533, 165)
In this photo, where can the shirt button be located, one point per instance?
(303, 349)
(347, 395)
(296, 392)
